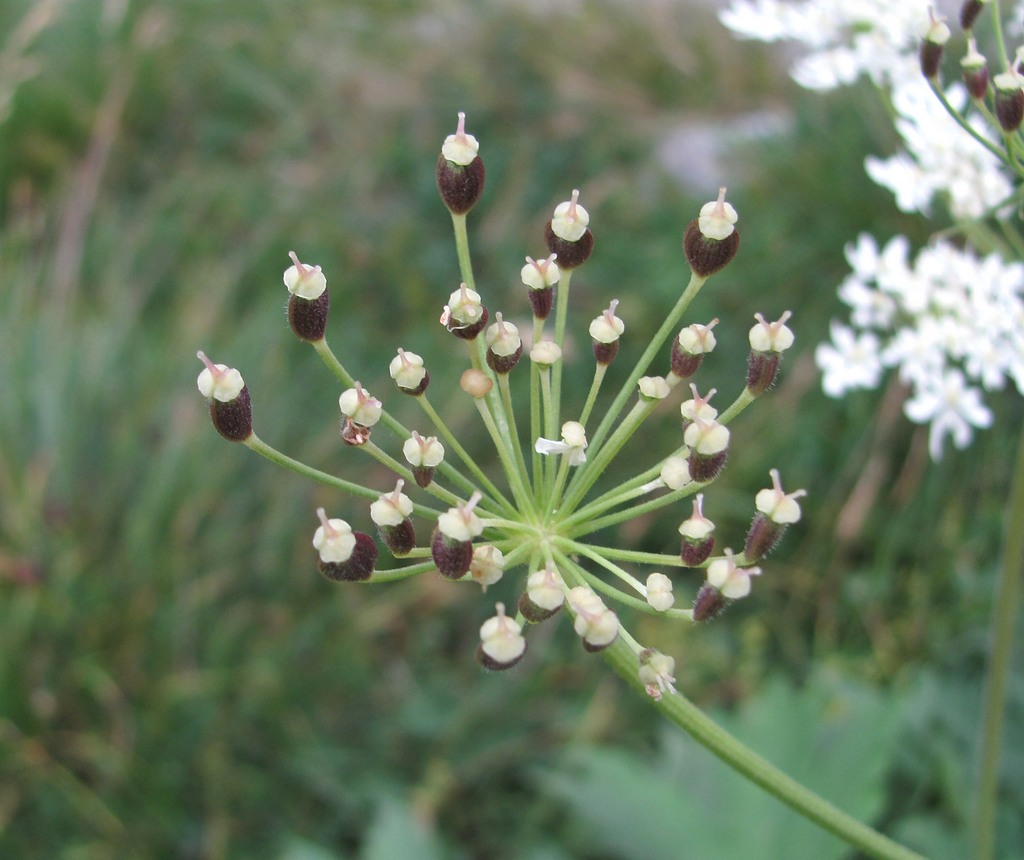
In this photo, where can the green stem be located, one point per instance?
(747, 763)
(254, 443)
(1004, 616)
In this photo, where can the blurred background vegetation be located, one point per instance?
(177, 681)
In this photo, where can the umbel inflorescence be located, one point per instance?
(540, 518)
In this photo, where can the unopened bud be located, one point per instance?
(460, 170)
(659, 592)
(708, 442)
(544, 595)
(605, 332)
(1009, 99)
(711, 240)
(698, 535)
(345, 555)
(975, 72)
(308, 300)
(689, 348)
(595, 623)
(504, 346)
(390, 513)
(767, 343)
(230, 404)
(409, 373)
(501, 642)
(567, 234)
(487, 566)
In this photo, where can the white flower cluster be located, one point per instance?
(952, 323)
(950, 320)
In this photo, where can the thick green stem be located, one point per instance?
(1006, 608)
(746, 762)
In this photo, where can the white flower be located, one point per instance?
(780, 507)
(850, 361)
(539, 276)
(359, 405)
(717, 218)
(952, 407)
(731, 581)
(659, 592)
(675, 473)
(656, 673)
(574, 443)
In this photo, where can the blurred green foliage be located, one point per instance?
(175, 678)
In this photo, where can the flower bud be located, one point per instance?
(775, 511)
(698, 407)
(460, 170)
(656, 673)
(969, 12)
(541, 279)
(573, 443)
(501, 642)
(708, 442)
(711, 240)
(464, 315)
(452, 542)
(424, 455)
(359, 405)
(659, 592)
(487, 566)
(475, 383)
(975, 72)
(391, 514)
(504, 346)
(567, 234)
(725, 582)
(308, 301)
(932, 43)
(230, 404)
(595, 623)
(345, 556)
(544, 595)
(545, 353)
(605, 331)
(690, 347)
(675, 473)
(767, 343)
(409, 374)
(1009, 100)
(698, 535)
(653, 388)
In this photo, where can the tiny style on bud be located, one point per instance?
(541, 279)
(767, 343)
(230, 404)
(451, 544)
(567, 234)
(711, 240)
(501, 642)
(308, 300)
(345, 555)
(460, 170)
